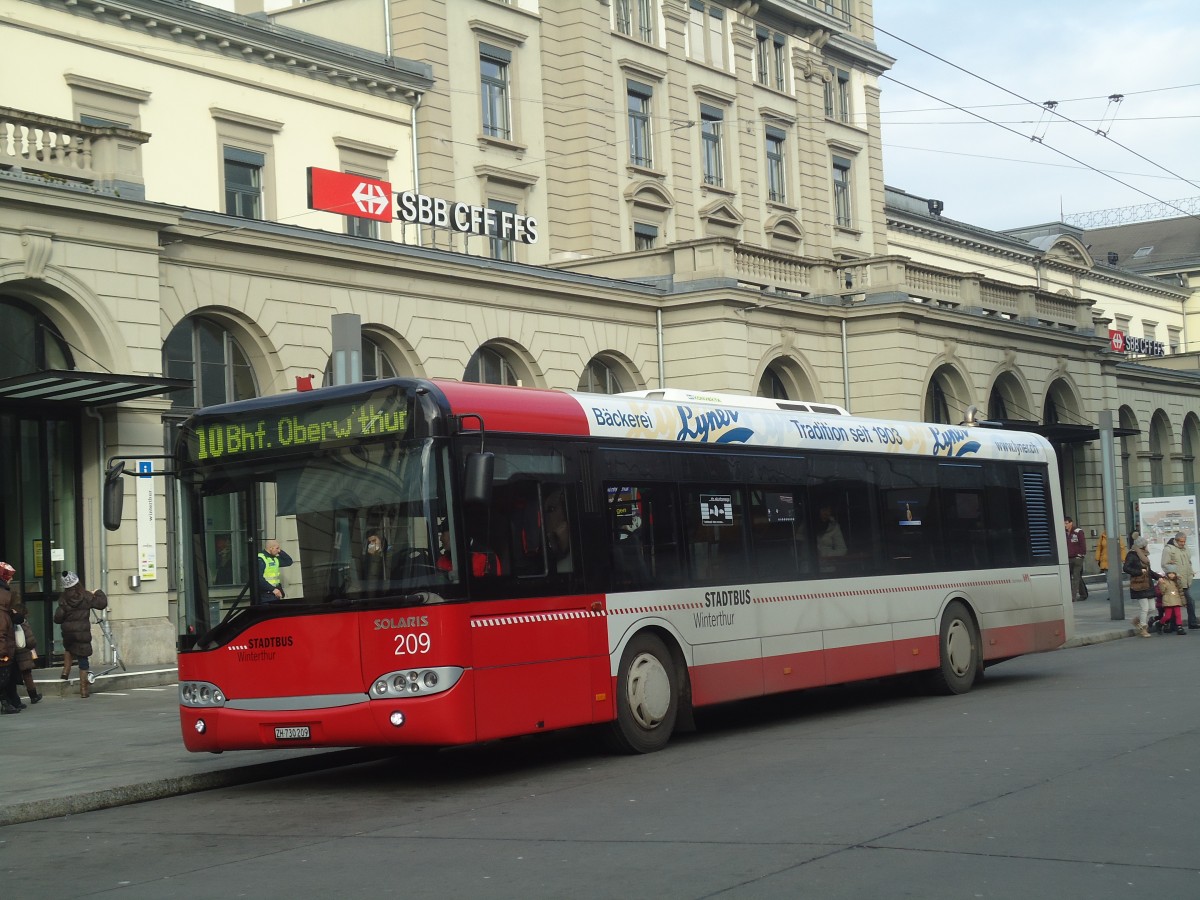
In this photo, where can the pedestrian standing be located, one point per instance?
(1141, 584)
(1076, 549)
(1102, 551)
(1176, 554)
(27, 655)
(74, 614)
(8, 646)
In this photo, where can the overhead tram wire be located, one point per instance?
(1013, 93)
(1050, 147)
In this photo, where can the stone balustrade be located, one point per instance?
(106, 158)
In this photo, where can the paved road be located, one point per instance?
(1064, 775)
(123, 744)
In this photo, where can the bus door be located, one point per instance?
(538, 649)
(724, 628)
(979, 520)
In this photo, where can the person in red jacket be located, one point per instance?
(1076, 550)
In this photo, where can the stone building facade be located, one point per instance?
(708, 184)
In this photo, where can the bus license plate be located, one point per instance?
(296, 733)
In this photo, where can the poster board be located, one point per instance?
(1161, 518)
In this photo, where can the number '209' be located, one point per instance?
(412, 642)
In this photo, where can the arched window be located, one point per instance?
(936, 407)
(997, 407)
(202, 350)
(374, 361)
(772, 386)
(488, 366)
(31, 343)
(600, 378)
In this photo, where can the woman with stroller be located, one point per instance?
(74, 614)
(1141, 583)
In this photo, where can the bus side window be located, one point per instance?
(643, 536)
(846, 522)
(778, 533)
(713, 527)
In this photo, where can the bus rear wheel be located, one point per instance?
(959, 650)
(647, 697)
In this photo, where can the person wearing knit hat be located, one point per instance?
(74, 614)
(1141, 584)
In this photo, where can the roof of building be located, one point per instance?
(1157, 245)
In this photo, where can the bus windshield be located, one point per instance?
(369, 521)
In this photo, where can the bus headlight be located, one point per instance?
(416, 682)
(200, 694)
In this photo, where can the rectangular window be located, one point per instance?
(771, 59)
(776, 186)
(762, 57)
(494, 65)
(841, 192)
(964, 529)
(641, 150)
(366, 228)
(635, 18)
(706, 33)
(845, 528)
(714, 529)
(711, 120)
(780, 59)
(643, 536)
(1173, 335)
(623, 17)
(778, 533)
(645, 237)
(501, 246)
(837, 95)
(243, 183)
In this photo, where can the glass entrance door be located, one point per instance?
(39, 522)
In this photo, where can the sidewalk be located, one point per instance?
(66, 755)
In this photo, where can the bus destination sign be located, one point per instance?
(263, 432)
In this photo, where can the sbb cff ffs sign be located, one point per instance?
(369, 198)
(1124, 343)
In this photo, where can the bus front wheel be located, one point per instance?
(647, 697)
(958, 647)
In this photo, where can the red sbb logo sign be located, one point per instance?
(349, 195)
(1117, 340)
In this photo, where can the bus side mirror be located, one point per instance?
(114, 496)
(477, 485)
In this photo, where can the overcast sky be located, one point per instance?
(1074, 52)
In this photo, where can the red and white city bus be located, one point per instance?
(548, 560)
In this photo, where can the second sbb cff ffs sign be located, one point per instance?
(370, 198)
(1120, 342)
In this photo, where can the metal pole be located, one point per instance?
(1108, 484)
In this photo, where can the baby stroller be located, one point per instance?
(1155, 623)
(114, 653)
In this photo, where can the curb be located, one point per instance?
(49, 684)
(1098, 638)
(36, 810)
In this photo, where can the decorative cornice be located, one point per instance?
(255, 39)
(1006, 247)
